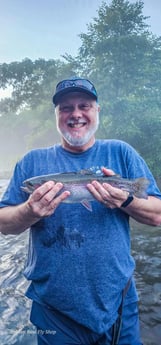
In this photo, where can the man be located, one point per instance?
(79, 262)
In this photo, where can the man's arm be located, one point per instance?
(42, 203)
(144, 211)
(16, 219)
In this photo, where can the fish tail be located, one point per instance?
(141, 185)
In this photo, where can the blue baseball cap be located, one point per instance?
(74, 84)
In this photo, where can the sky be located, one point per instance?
(50, 28)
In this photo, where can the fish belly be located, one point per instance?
(78, 193)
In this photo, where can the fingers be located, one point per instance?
(46, 199)
(47, 191)
(110, 196)
(108, 172)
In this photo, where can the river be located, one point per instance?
(15, 327)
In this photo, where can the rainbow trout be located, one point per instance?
(76, 183)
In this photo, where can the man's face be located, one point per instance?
(77, 117)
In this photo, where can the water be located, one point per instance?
(146, 249)
(15, 327)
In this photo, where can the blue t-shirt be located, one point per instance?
(80, 261)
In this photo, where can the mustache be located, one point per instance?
(76, 121)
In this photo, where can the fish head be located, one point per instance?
(29, 187)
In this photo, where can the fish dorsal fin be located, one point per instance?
(67, 173)
(85, 172)
(80, 172)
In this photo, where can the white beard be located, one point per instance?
(74, 141)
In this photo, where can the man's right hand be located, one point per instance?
(43, 201)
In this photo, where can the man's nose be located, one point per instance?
(76, 112)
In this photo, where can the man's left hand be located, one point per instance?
(110, 196)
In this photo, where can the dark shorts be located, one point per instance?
(54, 328)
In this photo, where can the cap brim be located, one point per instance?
(58, 95)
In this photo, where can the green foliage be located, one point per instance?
(32, 82)
(124, 59)
(27, 117)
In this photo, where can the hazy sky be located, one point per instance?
(49, 28)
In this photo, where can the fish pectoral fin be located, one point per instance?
(87, 205)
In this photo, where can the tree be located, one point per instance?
(27, 117)
(32, 82)
(124, 59)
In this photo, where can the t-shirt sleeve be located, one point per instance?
(14, 194)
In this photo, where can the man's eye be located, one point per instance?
(65, 109)
(85, 106)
